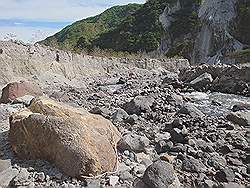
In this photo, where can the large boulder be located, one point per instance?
(19, 89)
(191, 110)
(133, 142)
(161, 175)
(202, 81)
(138, 105)
(241, 118)
(227, 78)
(79, 143)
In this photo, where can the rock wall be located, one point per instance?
(215, 40)
(212, 37)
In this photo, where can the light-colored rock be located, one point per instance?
(202, 81)
(113, 180)
(79, 143)
(26, 100)
(4, 164)
(133, 142)
(22, 179)
(7, 175)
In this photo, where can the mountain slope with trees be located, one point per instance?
(81, 33)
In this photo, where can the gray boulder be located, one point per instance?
(225, 175)
(133, 142)
(119, 115)
(217, 161)
(202, 81)
(191, 110)
(241, 118)
(193, 165)
(138, 105)
(161, 175)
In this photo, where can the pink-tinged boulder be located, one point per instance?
(19, 89)
(79, 143)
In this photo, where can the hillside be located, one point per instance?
(129, 28)
(81, 33)
(183, 28)
(140, 31)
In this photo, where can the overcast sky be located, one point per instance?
(32, 20)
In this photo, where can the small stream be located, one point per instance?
(216, 104)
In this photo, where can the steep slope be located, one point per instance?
(181, 25)
(81, 33)
(140, 31)
(214, 32)
(203, 31)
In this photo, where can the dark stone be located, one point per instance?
(159, 175)
(96, 110)
(225, 175)
(177, 136)
(217, 161)
(121, 81)
(178, 148)
(248, 169)
(191, 110)
(241, 118)
(216, 103)
(160, 147)
(239, 107)
(225, 149)
(193, 165)
(138, 105)
(172, 79)
(131, 119)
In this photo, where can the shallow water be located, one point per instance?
(204, 102)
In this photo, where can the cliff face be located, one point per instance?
(209, 35)
(215, 38)
(180, 23)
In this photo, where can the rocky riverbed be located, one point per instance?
(177, 128)
(170, 137)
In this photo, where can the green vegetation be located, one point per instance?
(140, 31)
(81, 33)
(131, 28)
(244, 21)
(184, 29)
(242, 56)
(240, 53)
